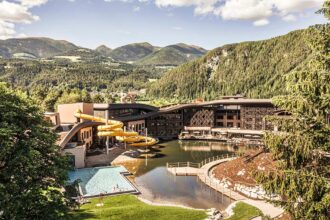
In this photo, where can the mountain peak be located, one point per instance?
(103, 46)
(132, 52)
(104, 50)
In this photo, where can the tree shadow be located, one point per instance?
(81, 214)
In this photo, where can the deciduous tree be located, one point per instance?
(32, 170)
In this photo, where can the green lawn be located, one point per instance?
(128, 207)
(243, 211)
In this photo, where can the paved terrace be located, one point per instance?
(202, 171)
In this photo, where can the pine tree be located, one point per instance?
(302, 145)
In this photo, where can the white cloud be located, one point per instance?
(258, 11)
(32, 3)
(261, 22)
(289, 18)
(289, 6)
(12, 13)
(245, 9)
(6, 30)
(201, 6)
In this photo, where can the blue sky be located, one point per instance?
(207, 23)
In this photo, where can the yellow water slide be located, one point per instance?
(115, 129)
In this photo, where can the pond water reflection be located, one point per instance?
(158, 185)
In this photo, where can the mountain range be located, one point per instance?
(137, 53)
(34, 47)
(255, 69)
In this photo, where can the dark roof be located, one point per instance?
(125, 106)
(172, 108)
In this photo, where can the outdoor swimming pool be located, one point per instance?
(102, 180)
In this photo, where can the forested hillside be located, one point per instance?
(63, 81)
(34, 47)
(132, 52)
(253, 69)
(92, 77)
(173, 55)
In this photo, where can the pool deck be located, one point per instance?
(203, 174)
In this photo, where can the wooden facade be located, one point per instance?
(255, 117)
(166, 125)
(170, 122)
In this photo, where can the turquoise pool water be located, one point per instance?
(102, 180)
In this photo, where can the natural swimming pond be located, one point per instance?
(101, 180)
(158, 185)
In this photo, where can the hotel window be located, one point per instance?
(230, 125)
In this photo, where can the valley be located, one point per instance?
(172, 74)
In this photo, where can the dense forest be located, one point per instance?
(92, 77)
(64, 81)
(254, 69)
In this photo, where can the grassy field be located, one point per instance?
(128, 207)
(243, 211)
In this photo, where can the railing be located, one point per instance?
(199, 165)
(221, 188)
(184, 164)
